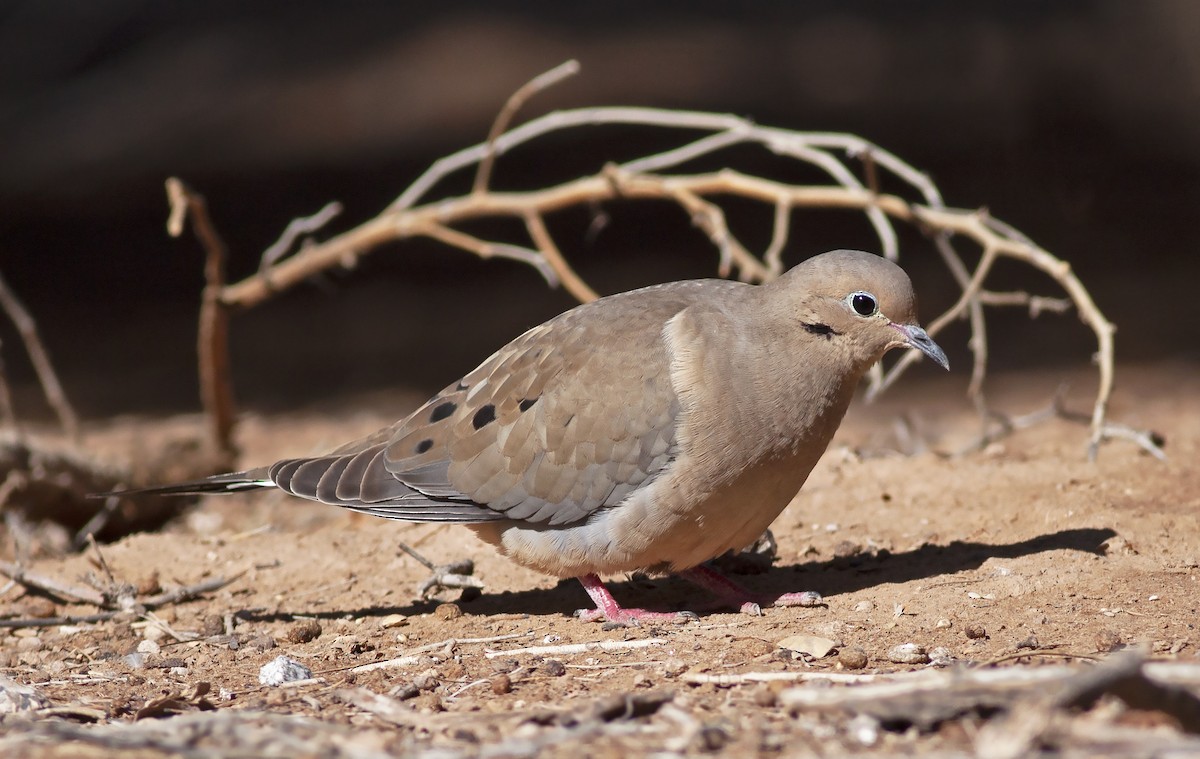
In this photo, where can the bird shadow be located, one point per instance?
(831, 578)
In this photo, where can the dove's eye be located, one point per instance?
(864, 304)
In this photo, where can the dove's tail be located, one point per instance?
(234, 482)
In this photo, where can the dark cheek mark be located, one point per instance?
(821, 329)
(442, 410)
(527, 403)
(484, 417)
(424, 445)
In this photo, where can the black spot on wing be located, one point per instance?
(424, 445)
(484, 416)
(442, 410)
(527, 403)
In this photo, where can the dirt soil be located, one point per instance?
(1024, 547)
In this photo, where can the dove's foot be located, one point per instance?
(608, 610)
(740, 598)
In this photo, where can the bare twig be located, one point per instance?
(51, 387)
(188, 592)
(50, 585)
(579, 648)
(212, 343)
(504, 118)
(302, 225)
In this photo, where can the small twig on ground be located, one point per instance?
(106, 600)
(188, 592)
(414, 656)
(579, 648)
(741, 678)
(46, 584)
(455, 575)
(212, 342)
(81, 619)
(38, 355)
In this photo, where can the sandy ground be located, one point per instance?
(1025, 543)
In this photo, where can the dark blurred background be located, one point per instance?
(1076, 121)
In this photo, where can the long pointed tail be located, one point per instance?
(234, 482)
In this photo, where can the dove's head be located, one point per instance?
(861, 303)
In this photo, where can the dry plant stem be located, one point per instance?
(212, 343)
(51, 387)
(304, 225)
(642, 178)
(504, 118)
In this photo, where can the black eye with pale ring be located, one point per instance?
(864, 304)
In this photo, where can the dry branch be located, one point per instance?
(413, 214)
(51, 387)
(212, 343)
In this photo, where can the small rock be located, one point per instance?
(812, 645)
(553, 667)
(765, 696)
(504, 666)
(908, 653)
(393, 620)
(304, 631)
(15, 697)
(282, 670)
(212, 625)
(427, 680)
(846, 548)
(262, 642)
(862, 607)
(148, 647)
(674, 667)
(149, 586)
(501, 684)
(975, 631)
(448, 611)
(29, 644)
(1107, 641)
(1030, 642)
(852, 657)
(941, 657)
(943, 624)
(36, 608)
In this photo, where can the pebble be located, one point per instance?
(448, 611)
(1107, 640)
(554, 668)
(908, 653)
(29, 644)
(501, 684)
(864, 606)
(282, 670)
(304, 631)
(975, 631)
(148, 647)
(852, 658)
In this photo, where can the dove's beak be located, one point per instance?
(920, 339)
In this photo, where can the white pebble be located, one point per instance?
(282, 670)
(148, 647)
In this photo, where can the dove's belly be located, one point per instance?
(661, 528)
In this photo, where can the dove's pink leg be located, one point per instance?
(608, 609)
(741, 598)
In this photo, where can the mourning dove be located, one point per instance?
(650, 430)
